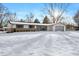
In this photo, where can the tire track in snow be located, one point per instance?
(24, 45)
(57, 43)
(72, 41)
(37, 47)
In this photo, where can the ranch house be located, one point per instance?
(25, 27)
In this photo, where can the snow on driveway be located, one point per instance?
(39, 44)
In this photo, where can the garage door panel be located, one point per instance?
(59, 28)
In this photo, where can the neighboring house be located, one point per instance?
(23, 26)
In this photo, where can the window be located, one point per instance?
(31, 26)
(19, 26)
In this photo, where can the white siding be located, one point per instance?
(50, 28)
(14, 26)
(9, 25)
(26, 26)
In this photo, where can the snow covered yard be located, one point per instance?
(40, 44)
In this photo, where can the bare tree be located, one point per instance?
(11, 16)
(56, 11)
(3, 11)
(76, 19)
(30, 17)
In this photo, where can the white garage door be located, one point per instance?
(59, 28)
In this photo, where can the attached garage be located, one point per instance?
(35, 26)
(59, 27)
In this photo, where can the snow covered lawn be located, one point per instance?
(40, 43)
